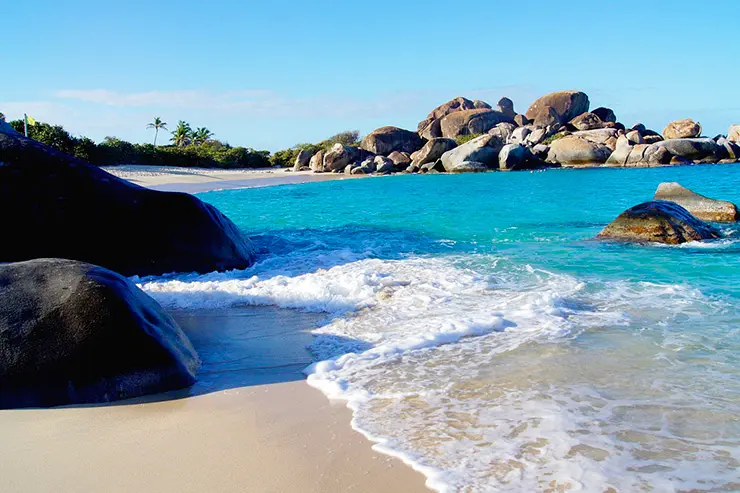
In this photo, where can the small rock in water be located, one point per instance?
(700, 206)
(658, 221)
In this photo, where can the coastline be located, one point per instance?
(195, 180)
(254, 428)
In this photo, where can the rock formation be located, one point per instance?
(72, 332)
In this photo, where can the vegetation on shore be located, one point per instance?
(188, 148)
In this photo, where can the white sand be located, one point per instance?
(195, 180)
(238, 435)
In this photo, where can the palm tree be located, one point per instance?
(156, 125)
(201, 136)
(182, 134)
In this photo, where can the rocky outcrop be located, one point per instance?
(575, 150)
(599, 136)
(317, 162)
(587, 121)
(65, 207)
(732, 148)
(733, 134)
(302, 160)
(605, 114)
(519, 135)
(429, 128)
(483, 149)
(470, 122)
(432, 150)
(339, 156)
(567, 104)
(682, 129)
(634, 137)
(386, 140)
(72, 333)
(660, 222)
(506, 107)
(699, 206)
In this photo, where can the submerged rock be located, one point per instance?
(660, 222)
(72, 332)
(64, 207)
(465, 167)
(700, 206)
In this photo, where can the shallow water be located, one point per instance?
(478, 332)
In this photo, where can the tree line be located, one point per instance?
(188, 147)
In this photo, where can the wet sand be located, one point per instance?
(251, 423)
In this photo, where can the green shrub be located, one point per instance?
(553, 138)
(461, 139)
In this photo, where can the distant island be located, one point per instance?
(461, 135)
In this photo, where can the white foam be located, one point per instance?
(475, 377)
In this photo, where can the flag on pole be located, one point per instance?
(30, 120)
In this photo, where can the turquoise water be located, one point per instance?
(478, 332)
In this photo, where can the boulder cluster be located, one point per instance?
(559, 129)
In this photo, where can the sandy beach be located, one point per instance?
(251, 423)
(194, 180)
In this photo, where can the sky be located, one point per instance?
(271, 74)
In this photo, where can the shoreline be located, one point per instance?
(196, 180)
(250, 423)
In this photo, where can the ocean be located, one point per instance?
(478, 331)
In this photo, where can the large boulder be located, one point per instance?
(682, 129)
(471, 122)
(483, 149)
(733, 134)
(703, 149)
(432, 150)
(64, 207)
(567, 104)
(317, 162)
(587, 121)
(302, 160)
(605, 114)
(385, 140)
(339, 156)
(700, 206)
(658, 221)
(575, 150)
(72, 333)
(548, 117)
(429, 128)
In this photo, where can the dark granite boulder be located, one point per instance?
(386, 140)
(567, 104)
(59, 206)
(658, 221)
(72, 333)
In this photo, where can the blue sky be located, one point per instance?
(270, 74)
